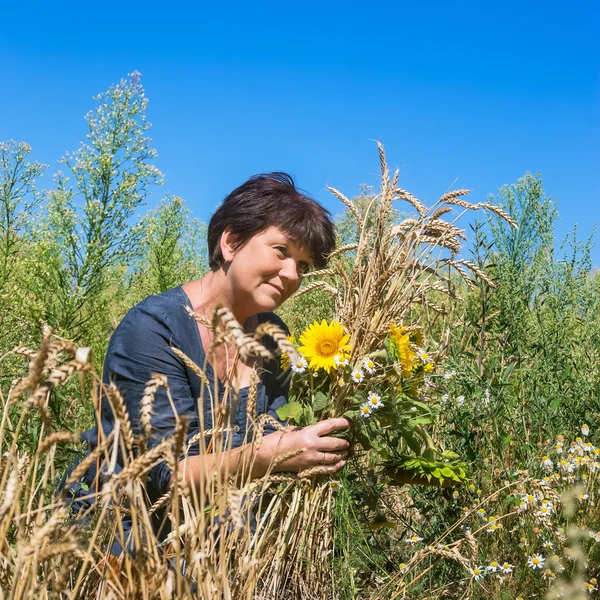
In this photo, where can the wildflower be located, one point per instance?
(365, 410)
(357, 376)
(340, 360)
(460, 401)
(506, 568)
(402, 566)
(455, 494)
(401, 340)
(428, 367)
(583, 497)
(322, 342)
(472, 487)
(547, 463)
(369, 366)
(544, 511)
(486, 397)
(445, 398)
(481, 512)
(494, 527)
(335, 484)
(299, 366)
(414, 539)
(450, 375)
(566, 466)
(536, 561)
(374, 400)
(493, 566)
(413, 409)
(479, 492)
(477, 573)
(589, 587)
(341, 382)
(595, 536)
(549, 574)
(548, 545)
(528, 499)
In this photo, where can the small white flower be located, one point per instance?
(544, 511)
(506, 568)
(585, 430)
(460, 401)
(369, 366)
(423, 355)
(478, 573)
(335, 484)
(547, 463)
(583, 497)
(590, 587)
(486, 397)
(413, 409)
(365, 410)
(340, 361)
(450, 375)
(374, 400)
(414, 539)
(445, 398)
(595, 535)
(493, 566)
(357, 376)
(566, 466)
(536, 561)
(300, 365)
(548, 545)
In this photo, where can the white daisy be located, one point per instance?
(547, 463)
(365, 410)
(340, 361)
(357, 376)
(460, 401)
(369, 366)
(414, 539)
(536, 561)
(548, 545)
(585, 430)
(493, 566)
(506, 568)
(374, 400)
(450, 375)
(299, 366)
(477, 573)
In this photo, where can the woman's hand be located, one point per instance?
(319, 449)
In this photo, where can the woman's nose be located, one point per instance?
(289, 270)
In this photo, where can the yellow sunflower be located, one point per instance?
(401, 339)
(322, 342)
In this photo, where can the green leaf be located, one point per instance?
(291, 410)
(319, 401)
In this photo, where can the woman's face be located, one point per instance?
(266, 270)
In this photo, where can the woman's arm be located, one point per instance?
(319, 449)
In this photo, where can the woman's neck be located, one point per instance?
(211, 291)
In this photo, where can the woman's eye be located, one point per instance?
(281, 249)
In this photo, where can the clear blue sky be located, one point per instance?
(482, 92)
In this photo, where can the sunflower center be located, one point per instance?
(327, 348)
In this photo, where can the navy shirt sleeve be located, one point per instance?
(140, 347)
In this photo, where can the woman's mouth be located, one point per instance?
(280, 290)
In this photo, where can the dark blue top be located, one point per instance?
(141, 345)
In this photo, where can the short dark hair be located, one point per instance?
(272, 199)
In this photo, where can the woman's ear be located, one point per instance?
(228, 241)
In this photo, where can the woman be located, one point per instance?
(261, 241)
